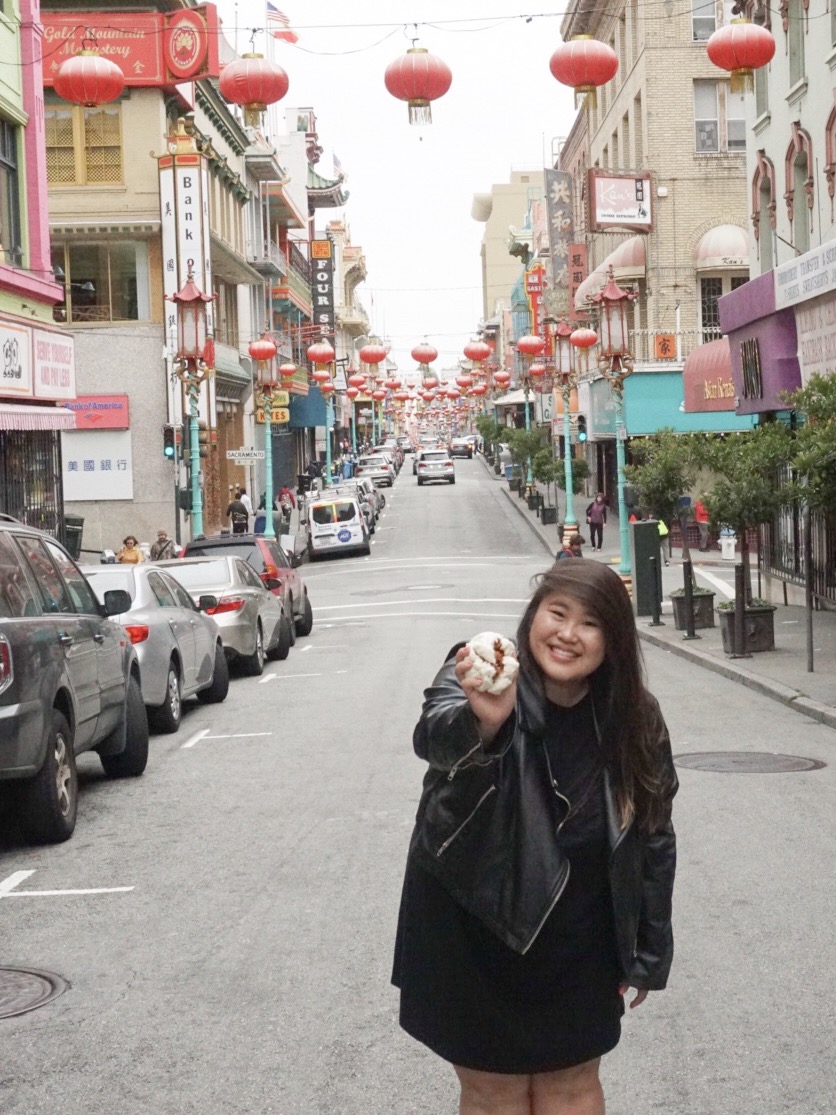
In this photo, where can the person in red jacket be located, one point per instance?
(703, 524)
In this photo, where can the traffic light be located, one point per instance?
(581, 427)
(203, 437)
(169, 443)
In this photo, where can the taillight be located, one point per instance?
(6, 668)
(227, 604)
(137, 632)
(270, 571)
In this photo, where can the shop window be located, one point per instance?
(703, 19)
(710, 291)
(10, 248)
(105, 281)
(83, 145)
(226, 311)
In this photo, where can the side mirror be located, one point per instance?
(117, 601)
(205, 603)
(272, 582)
(295, 559)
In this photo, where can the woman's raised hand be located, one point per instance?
(490, 709)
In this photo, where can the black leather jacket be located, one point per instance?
(487, 821)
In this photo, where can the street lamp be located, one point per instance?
(321, 355)
(566, 375)
(263, 352)
(529, 347)
(193, 348)
(615, 362)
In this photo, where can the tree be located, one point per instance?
(665, 469)
(490, 430)
(815, 446)
(524, 444)
(580, 473)
(544, 468)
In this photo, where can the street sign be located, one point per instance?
(279, 414)
(245, 454)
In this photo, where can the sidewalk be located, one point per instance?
(780, 674)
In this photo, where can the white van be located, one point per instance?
(336, 524)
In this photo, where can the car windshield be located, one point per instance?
(106, 579)
(372, 461)
(433, 456)
(201, 573)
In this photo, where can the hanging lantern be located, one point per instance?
(584, 63)
(88, 79)
(530, 345)
(287, 371)
(254, 83)
(424, 353)
(613, 301)
(502, 377)
(464, 380)
(373, 354)
(392, 384)
(379, 394)
(352, 392)
(327, 387)
(321, 354)
(453, 393)
(357, 380)
(741, 47)
(401, 396)
(477, 351)
(320, 375)
(419, 78)
(431, 382)
(584, 337)
(478, 389)
(537, 371)
(262, 349)
(427, 396)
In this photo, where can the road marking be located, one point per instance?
(9, 884)
(232, 735)
(285, 677)
(432, 600)
(722, 586)
(329, 646)
(196, 738)
(459, 615)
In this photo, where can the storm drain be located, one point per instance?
(746, 762)
(25, 989)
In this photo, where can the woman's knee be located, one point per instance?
(568, 1085)
(488, 1092)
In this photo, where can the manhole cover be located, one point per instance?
(25, 989)
(746, 762)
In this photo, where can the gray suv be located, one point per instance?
(69, 682)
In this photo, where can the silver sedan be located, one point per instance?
(252, 621)
(178, 647)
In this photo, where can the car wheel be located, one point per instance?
(312, 555)
(420, 481)
(281, 650)
(217, 691)
(167, 716)
(382, 501)
(49, 801)
(366, 550)
(133, 760)
(452, 480)
(291, 626)
(305, 621)
(253, 664)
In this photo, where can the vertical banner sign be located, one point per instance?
(561, 234)
(184, 214)
(322, 286)
(535, 286)
(578, 270)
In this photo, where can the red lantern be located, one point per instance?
(379, 394)
(401, 396)
(357, 380)
(431, 382)
(352, 392)
(255, 83)
(320, 375)
(424, 353)
(88, 79)
(321, 353)
(502, 377)
(584, 63)
(477, 351)
(537, 371)
(478, 389)
(262, 349)
(372, 354)
(327, 387)
(287, 371)
(741, 47)
(464, 380)
(419, 78)
(453, 393)
(392, 384)
(584, 338)
(427, 396)
(530, 345)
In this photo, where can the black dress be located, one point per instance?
(479, 1004)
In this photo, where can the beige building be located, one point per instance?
(502, 211)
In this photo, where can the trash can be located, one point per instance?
(348, 470)
(73, 530)
(728, 541)
(260, 522)
(645, 543)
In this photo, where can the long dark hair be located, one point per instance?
(628, 716)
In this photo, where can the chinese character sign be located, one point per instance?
(184, 214)
(97, 464)
(561, 225)
(322, 286)
(578, 270)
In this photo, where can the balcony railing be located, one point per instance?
(299, 263)
(267, 258)
(661, 346)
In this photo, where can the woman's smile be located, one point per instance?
(568, 645)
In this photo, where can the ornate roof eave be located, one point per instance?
(325, 193)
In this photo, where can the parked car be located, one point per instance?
(346, 488)
(252, 621)
(373, 494)
(336, 524)
(435, 464)
(69, 682)
(461, 447)
(426, 442)
(377, 468)
(390, 447)
(179, 647)
(405, 444)
(278, 570)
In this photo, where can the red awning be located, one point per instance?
(14, 417)
(707, 378)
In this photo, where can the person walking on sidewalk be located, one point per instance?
(703, 520)
(596, 516)
(540, 873)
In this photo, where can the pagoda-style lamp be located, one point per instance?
(615, 362)
(263, 352)
(192, 368)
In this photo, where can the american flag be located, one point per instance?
(279, 25)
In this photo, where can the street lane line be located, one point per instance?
(51, 893)
(722, 586)
(11, 881)
(460, 615)
(196, 738)
(285, 677)
(431, 600)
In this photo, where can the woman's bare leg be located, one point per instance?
(493, 1093)
(575, 1091)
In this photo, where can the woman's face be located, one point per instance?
(130, 541)
(567, 643)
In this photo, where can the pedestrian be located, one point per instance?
(572, 549)
(163, 548)
(665, 536)
(510, 965)
(238, 516)
(596, 516)
(245, 499)
(703, 524)
(130, 553)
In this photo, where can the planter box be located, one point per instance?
(548, 515)
(514, 483)
(760, 629)
(703, 611)
(533, 503)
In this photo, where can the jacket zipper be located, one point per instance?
(551, 907)
(490, 790)
(454, 769)
(556, 788)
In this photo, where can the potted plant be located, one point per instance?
(703, 607)
(524, 445)
(664, 469)
(544, 468)
(759, 619)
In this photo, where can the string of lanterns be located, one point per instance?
(253, 82)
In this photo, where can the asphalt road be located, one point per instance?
(247, 970)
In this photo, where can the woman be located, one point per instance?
(596, 517)
(539, 879)
(130, 554)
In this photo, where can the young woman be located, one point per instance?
(540, 873)
(130, 553)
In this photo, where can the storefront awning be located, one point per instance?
(628, 261)
(14, 417)
(707, 378)
(726, 246)
(513, 398)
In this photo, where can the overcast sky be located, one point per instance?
(412, 187)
